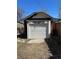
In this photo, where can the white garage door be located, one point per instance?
(37, 31)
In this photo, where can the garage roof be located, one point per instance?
(38, 16)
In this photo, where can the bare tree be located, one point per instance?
(19, 13)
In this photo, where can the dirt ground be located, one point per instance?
(32, 51)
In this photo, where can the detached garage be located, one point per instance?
(37, 25)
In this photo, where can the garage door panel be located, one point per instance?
(38, 31)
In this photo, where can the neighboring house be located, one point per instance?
(56, 27)
(20, 27)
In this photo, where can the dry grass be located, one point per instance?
(32, 51)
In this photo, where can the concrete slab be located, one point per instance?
(21, 40)
(36, 41)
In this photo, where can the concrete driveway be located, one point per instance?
(33, 49)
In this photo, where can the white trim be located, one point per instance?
(37, 20)
(49, 27)
(27, 30)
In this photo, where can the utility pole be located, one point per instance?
(59, 13)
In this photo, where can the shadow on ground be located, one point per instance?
(22, 35)
(54, 44)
